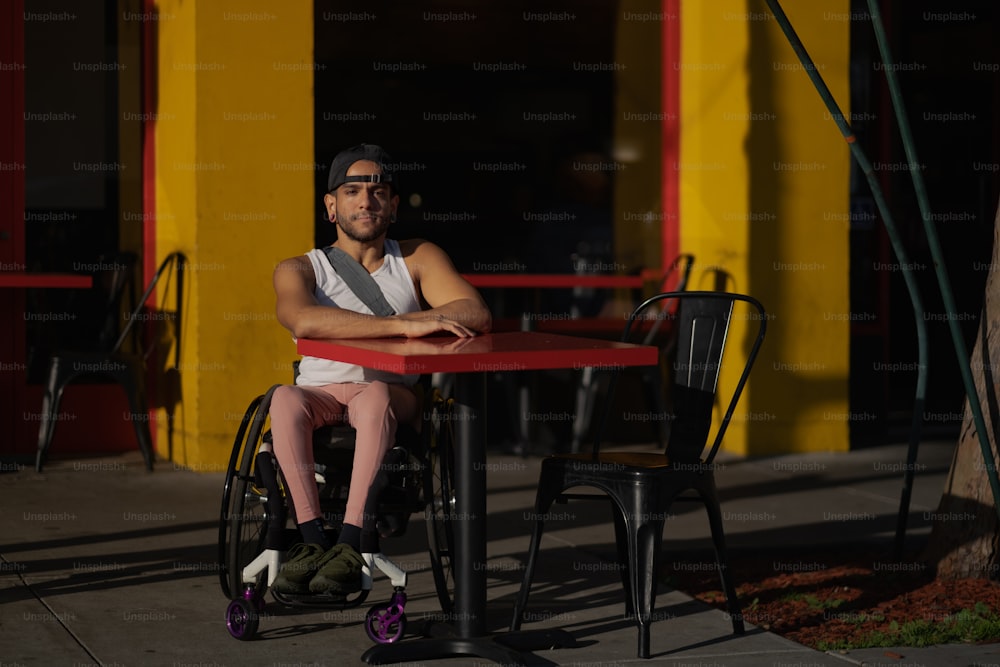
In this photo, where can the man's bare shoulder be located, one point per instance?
(298, 269)
(409, 247)
(298, 263)
(420, 254)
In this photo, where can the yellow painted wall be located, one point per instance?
(764, 206)
(235, 193)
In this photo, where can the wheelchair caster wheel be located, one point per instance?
(385, 625)
(242, 619)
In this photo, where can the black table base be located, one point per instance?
(505, 649)
(467, 636)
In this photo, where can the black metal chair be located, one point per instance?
(651, 377)
(643, 485)
(116, 351)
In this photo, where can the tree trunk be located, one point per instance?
(964, 536)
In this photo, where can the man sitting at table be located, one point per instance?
(313, 301)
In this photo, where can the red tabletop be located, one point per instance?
(508, 351)
(24, 279)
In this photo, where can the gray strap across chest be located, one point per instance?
(359, 280)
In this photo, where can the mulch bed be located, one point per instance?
(835, 598)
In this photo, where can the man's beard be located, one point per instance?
(365, 236)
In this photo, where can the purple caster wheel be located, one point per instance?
(385, 625)
(242, 619)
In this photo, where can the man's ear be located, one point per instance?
(331, 206)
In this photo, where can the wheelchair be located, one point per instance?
(253, 537)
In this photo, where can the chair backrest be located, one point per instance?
(99, 308)
(682, 264)
(701, 321)
(177, 261)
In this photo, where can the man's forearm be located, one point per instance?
(467, 312)
(329, 322)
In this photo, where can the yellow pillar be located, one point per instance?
(765, 207)
(235, 192)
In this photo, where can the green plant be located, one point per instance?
(861, 619)
(813, 601)
(969, 625)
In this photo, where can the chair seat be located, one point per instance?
(618, 470)
(625, 460)
(640, 482)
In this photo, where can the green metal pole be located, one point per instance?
(890, 226)
(932, 240)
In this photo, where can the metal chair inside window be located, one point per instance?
(116, 351)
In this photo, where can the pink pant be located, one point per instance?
(372, 409)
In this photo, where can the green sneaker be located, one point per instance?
(339, 573)
(298, 569)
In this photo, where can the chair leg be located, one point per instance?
(642, 522)
(50, 412)
(622, 540)
(61, 374)
(529, 573)
(722, 560)
(543, 501)
(647, 538)
(131, 381)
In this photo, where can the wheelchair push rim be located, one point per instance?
(244, 519)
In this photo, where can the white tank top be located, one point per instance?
(396, 284)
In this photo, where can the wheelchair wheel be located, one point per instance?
(248, 532)
(385, 625)
(439, 493)
(242, 619)
(244, 521)
(232, 472)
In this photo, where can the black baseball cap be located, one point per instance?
(348, 156)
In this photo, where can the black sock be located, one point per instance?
(313, 533)
(350, 534)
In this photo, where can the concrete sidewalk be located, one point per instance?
(106, 564)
